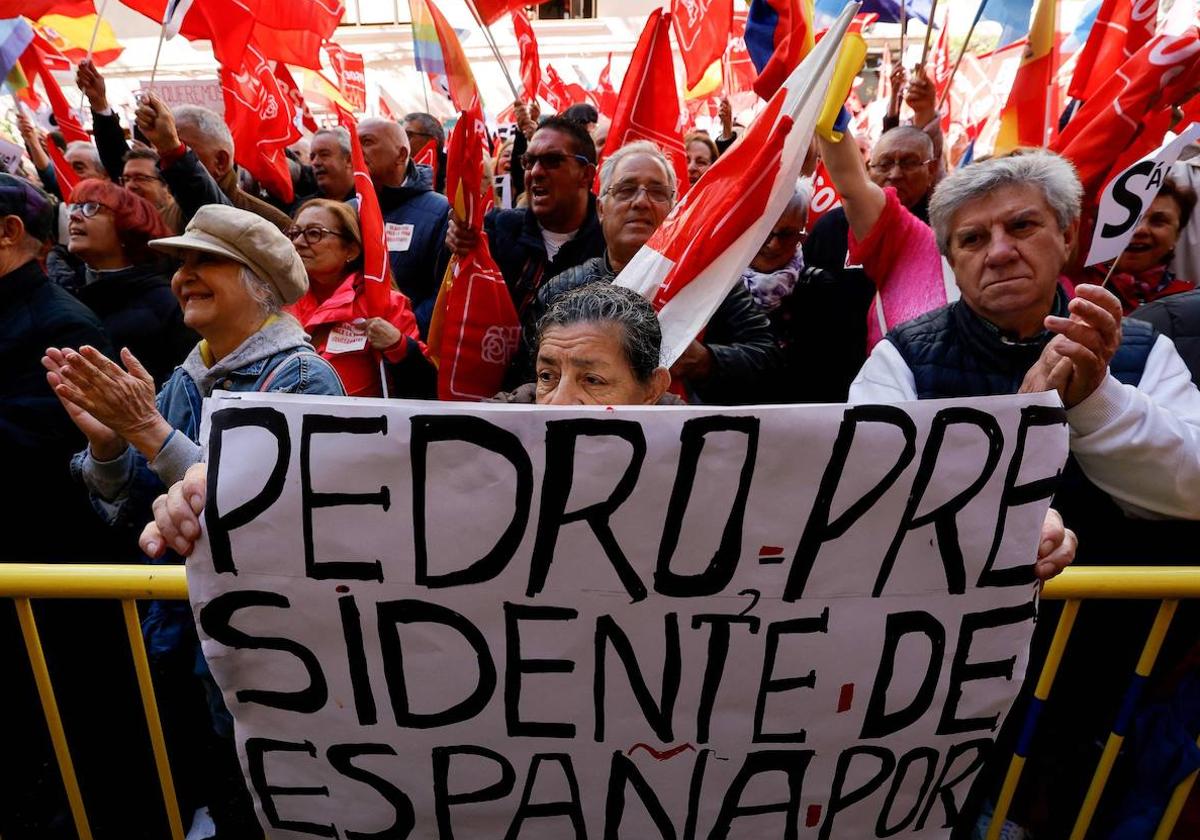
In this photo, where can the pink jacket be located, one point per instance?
(900, 254)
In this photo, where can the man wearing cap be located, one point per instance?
(238, 271)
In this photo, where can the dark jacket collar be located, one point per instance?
(416, 182)
(19, 282)
(1004, 353)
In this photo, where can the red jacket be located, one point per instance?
(344, 345)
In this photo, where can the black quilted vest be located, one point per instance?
(952, 352)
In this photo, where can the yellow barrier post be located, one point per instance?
(1175, 806)
(1062, 632)
(141, 665)
(1162, 623)
(41, 675)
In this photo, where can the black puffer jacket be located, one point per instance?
(140, 312)
(746, 360)
(1178, 318)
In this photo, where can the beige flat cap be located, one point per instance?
(242, 236)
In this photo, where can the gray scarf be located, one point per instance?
(282, 333)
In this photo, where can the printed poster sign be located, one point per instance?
(432, 620)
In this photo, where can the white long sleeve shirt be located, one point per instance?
(1141, 445)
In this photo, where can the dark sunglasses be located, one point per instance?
(550, 160)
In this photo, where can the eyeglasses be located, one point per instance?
(550, 160)
(786, 234)
(628, 191)
(87, 209)
(907, 164)
(312, 234)
(138, 178)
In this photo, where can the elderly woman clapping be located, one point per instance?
(237, 273)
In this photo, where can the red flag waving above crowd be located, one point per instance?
(262, 120)
(33, 63)
(702, 29)
(285, 30)
(1124, 110)
(475, 328)
(490, 11)
(648, 105)
(301, 114)
(34, 9)
(1120, 30)
(351, 73)
(531, 66)
(1028, 116)
(377, 294)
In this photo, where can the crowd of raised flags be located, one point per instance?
(1122, 87)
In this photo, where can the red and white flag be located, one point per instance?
(475, 330)
(1122, 27)
(1125, 112)
(825, 195)
(351, 74)
(648, 105)
(702, 30)
(262, 121)
(428, 156)
(531, 67)
(554, 90)
(606, 96)
(377, 289)
(698, 253)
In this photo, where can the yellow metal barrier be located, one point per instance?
(129, 584)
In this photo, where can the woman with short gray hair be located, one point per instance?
(598, 344)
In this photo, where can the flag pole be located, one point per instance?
(487, 36)
(92, 47)
(162, 35)
(929, 31)
(961, 53)
(903, 29)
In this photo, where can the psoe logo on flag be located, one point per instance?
(696, 10)
(499, 343)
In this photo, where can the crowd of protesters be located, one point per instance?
(163, 275)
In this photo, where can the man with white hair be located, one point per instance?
(414, 216)
(85, 160)
(195, 150)
(735, 361)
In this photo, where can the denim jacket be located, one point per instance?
(277, 358)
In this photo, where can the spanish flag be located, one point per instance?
(1028, 116)
(71, 36)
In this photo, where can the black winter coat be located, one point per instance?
(746, 361)
(415, 218)
(1178, 318)
(46, 515)
(140, 312)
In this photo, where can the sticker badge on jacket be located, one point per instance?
(346, 338)
(399, 237)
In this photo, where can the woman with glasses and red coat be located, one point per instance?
(368, 350)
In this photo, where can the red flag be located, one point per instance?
(606, 97)
(302, 116)
(52, 54)
(286, 30)
(825, 195)
(531, 67)
(1122, 111)
(34, 9)
(475, 328)
(351, 74)
(491, 11)
(429, 157)
(386, 111)
(648, 106)
(702, 29)
(576, 93)
(554, 90)
(377, 294)
(741, 73)
(33, 64)
(262, 121)
(63, 171)
(1122, 27)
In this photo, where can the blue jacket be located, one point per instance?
(416, 252)
(276, 358)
